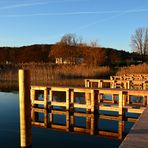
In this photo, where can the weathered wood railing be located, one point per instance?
(123, 84)
(94, 98)
(130, 77)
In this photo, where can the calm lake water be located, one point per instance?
(47, 137)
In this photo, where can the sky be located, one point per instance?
(108, 22)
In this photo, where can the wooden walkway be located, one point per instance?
(121, 92)
(94, 98)
(138, 135)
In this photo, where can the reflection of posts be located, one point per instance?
(120, 128)
(25, 108)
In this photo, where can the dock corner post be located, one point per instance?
(25, 108)
(120, 103)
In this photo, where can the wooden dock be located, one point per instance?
(138, 135)
(130, 77)
(94, 98)
(122, 90)
(121, 83)
(128, 81)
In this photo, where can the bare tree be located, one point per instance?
(94, 44)
(69, 39)
(139, 41)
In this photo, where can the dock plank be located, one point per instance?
(138, 135)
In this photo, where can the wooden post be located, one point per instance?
(124, 100)
(100, 98)
(87, 83)
(113, 98)
(25, 108)
(144, 100)
(46, 98)
(101, 84)
(71, 100)
(32, 96)
(87, 99)
(67, 100)
(112, 84)
(128, 99)
(92, 99)
(120, 103)
(50, 98)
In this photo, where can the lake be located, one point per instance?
(50, 136)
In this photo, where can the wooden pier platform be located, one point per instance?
(138, 135)
(93, 97)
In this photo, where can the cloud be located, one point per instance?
(60, 13)
(22, 5)
(73, 13)
(37, 2)
(121, 13)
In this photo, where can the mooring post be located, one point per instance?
(25, 109)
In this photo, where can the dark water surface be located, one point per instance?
(47, 137)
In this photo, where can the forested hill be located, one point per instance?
(33, 53)
(42, 53)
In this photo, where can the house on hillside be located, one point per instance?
(69, 60)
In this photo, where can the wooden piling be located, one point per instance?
(67, 100)
(120, 103)
(88, 101)
(25, 108)
(46, 98)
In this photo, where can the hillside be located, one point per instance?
(44, 53)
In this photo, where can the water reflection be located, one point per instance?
(92, 124)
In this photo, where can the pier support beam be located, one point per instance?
(25, 109)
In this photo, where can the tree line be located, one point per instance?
(70, 46)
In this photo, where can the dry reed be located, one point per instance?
(48, 74)
(134, 69)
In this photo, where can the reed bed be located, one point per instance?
(133, 69)
(63, 75)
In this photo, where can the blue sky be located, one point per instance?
(109, 22)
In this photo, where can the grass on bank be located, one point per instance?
(134, 69)
(45, 74)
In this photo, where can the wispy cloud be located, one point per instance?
(23, 5)
(120, 14)
(61, 13)
(73, 13)
(37, 2)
